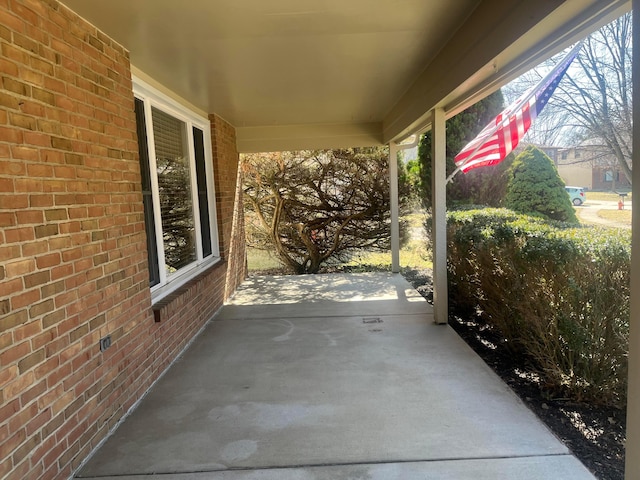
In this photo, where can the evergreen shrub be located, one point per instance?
(556, 292)
(535, 187)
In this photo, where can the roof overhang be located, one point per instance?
(309, 74)
(479, 71)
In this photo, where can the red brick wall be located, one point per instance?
(599, 182)
(237, 270)
(230, 209)
(72, 245)
(223, 138)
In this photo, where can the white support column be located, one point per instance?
(395, 207)
(439, 216)
(632, 459)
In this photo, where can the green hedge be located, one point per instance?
(557, 292)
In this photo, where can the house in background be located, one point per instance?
(573, 173)
(591, 167)
(587, 166)
(573, 168)
(121, 230)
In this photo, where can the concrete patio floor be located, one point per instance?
(331, 377)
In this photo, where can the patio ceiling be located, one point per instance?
(292, 74)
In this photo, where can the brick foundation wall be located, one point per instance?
(73, 263)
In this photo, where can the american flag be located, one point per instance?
(500, 137)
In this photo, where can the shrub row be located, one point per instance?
(556, 292)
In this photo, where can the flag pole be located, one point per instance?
(524, 99)
(455, 172)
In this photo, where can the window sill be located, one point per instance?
(165, 294)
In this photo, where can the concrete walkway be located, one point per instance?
(331, 377)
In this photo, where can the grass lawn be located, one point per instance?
(610, 196)
(621, 216)
(258, 260)
(413, 254)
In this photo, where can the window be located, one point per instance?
(177, 190)
(551, 153)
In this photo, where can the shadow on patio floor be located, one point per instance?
(325, 377)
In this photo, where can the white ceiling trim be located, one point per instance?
(307, 137)
(337, 73)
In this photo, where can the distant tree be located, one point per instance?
(599, 96)
(535, 187)
(593, 103)
(412, 183)
(311, 207)
(479, 186)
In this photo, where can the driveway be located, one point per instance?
(330, 377)
(588, 212)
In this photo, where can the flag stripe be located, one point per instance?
(501, 137)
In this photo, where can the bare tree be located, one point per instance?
(592, 104)
(313, 206)
(598, 94)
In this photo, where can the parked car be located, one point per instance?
(576, 194)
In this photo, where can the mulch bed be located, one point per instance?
(594, 433)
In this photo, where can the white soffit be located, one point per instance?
(279, 66)
(326, 73)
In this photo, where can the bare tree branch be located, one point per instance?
(311, 207)
(592, 104)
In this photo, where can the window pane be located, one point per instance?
(203, 198)
(174, 186)
(147, 196)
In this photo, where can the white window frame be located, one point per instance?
(153, 98)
